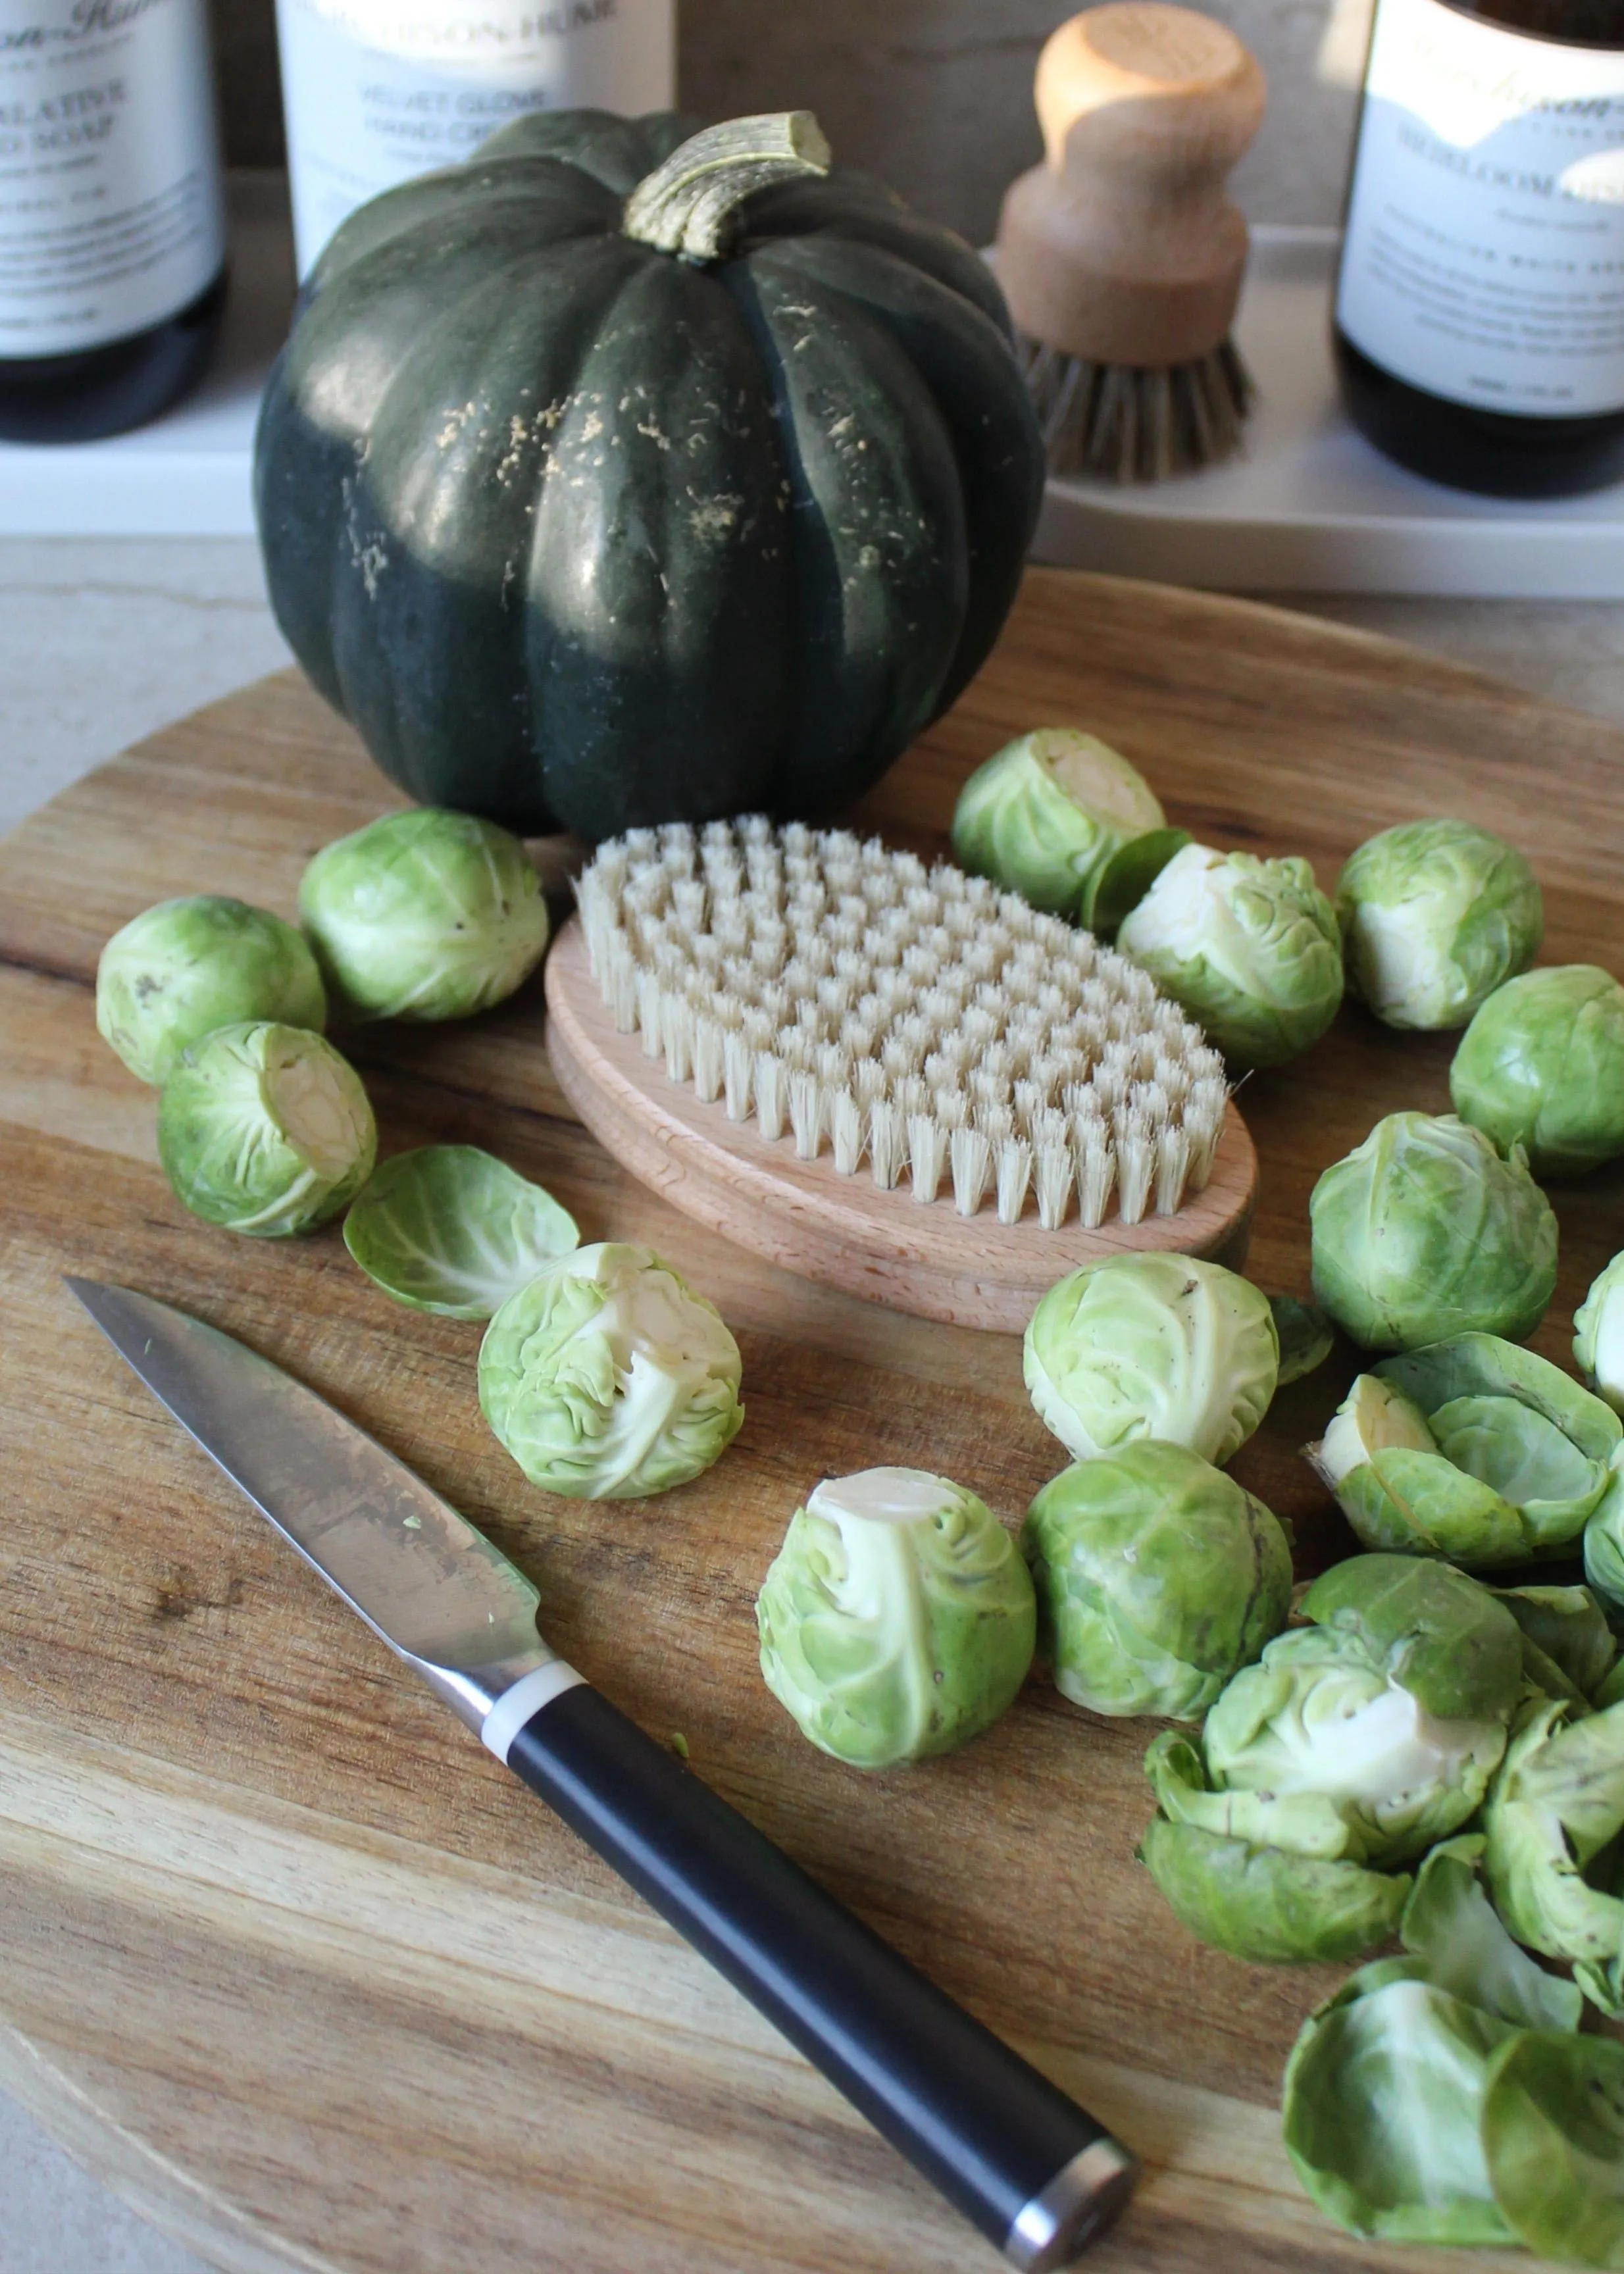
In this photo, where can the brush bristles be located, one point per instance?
(855, 1002)
(1125, 424)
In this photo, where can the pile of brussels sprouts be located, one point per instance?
(602, 1372)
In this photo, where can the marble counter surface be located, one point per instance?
(102, 642)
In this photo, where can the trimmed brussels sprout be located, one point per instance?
(1423, 1232)
(1435, 915)
(179, 970)
(1249, 947)
(452, 1230)
(897, 1620)
(1554, 2134)
(1542, 1066)
(1553, 1819)
(1045, 814)
(1569, 1649)
(608, 1378)
(1598, 1335)
(1157, 1577)
(425, 915)
(1472, 1449)
(265, 1129)
(1304, 1336)
(1152, 1346)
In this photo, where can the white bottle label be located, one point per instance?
(375, 92)
(111, 213)
(1485, 252)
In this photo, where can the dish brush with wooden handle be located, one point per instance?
(1121, 256)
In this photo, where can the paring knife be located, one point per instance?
(1038, 2176)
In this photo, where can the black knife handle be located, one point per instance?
(1037, 2175)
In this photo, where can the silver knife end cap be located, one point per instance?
(1085, 2197)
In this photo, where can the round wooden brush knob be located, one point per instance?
(1122, 246)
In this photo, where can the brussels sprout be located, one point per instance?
(265, 1129)
(1553, 2125)
(1156, 1577)
(1152, 1346)
(1393, 1706)
(1435, 915)
(1472, 1449)
(1604, 1552)
(455, 1230)
(897, 1620)
(1542, 1066)
(1569, 1649)
(1553, 1818)
(1249, 947)
(1422, 1232)
(1304, 1336)
(1045, 815)
(1598, 1335)
(608, 1378)
(178, 971)
(425, 915)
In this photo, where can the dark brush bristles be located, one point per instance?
(1125, 424)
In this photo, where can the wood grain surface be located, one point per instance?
(283, 1953)
(848, 1232)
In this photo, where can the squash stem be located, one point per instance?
(693, 205)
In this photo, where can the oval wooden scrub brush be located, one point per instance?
(1121, 256)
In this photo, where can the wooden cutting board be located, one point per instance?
(284, 1955)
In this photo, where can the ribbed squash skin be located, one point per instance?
(578, 533)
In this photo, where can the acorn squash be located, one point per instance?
(627, 474)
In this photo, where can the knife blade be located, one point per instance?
(1038, 2175)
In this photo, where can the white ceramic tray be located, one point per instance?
(1312, 507)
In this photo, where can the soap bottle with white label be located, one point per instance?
(112, 217)
(1479, 319)
(375, 91)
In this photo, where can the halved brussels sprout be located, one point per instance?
(1249, 947)
(452, 1230)
(1435, 915)
(1152, 1346)
(1423, 1232)
(1554, 2134)
(897, 1620)
(265, 1129)
(1045, 814)
(1542, 1066)
(1157, 1577)
(1553, 1821)
(179, 970)
(608, 1378)
(1472, 1449)
(1598, 1335)
(425, 915)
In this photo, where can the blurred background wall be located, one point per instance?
(933, 94)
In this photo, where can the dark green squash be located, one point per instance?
(586, 528)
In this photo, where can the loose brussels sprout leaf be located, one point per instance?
(1610, 1690)
(180, 970)
(1157, 1577)
(1381, 2110)
(1045, 815)
(425, 915)
(1553, 2125)
(1598, 1335)
(1566, 1630)
(608, 1378)
(1125, 879)
(1152, 1346)
(1424, 1232)
(1249, 947)
(1435, 1632)
(1553, 1819)
(1542, 1066)
(897, 1620)
(265, 1129)
(1451, 1927)
(1604, 1552)
(455, 1230)
(1483, 1365)
(1303, 1333)
(1435, 915)
(1267, 1904)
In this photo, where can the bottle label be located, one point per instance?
(1484, 258)
(111, 211)
(375, 92)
